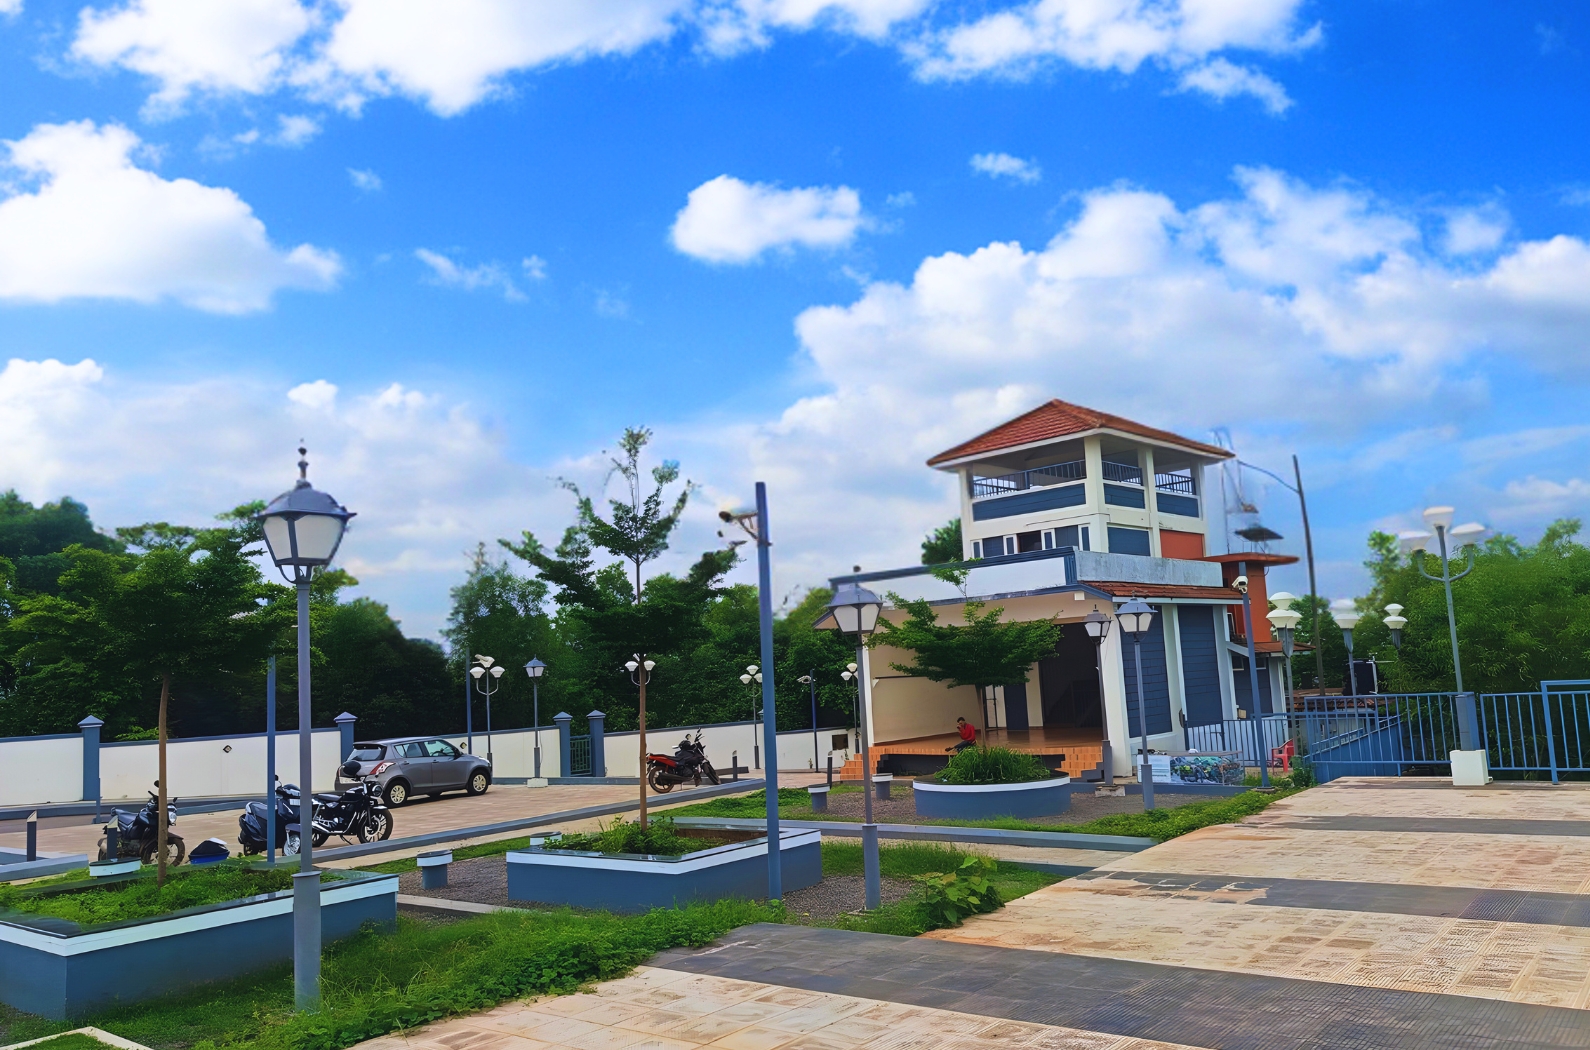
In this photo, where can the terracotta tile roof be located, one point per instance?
(1054, 419)
(1164, 590)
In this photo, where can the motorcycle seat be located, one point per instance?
(327, 796)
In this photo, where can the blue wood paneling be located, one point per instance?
(1124, 496)
(1156, 683)
(1200, 664)
(1244, 688)
(1128, 541)
(1170, 503)
(1030, 501)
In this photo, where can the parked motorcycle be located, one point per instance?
(252, 824)
(689, 762)
(137, 836)
(360, 811)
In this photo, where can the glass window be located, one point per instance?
(977, 548)
(367, 753)
(1027, 542)
(411, 750)
(439, 749)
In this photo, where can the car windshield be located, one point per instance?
(367, 753)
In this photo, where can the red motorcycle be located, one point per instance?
(689, 762)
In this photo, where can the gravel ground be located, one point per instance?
(483, 880)
(1085, 806)
(836, 895)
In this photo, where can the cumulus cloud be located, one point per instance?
(1222, 79)
(90, 223)
(10, 7)
(192, 46)
(364, 181)
(295, 130)
(725, 220)
(486, 276)
(1004, 166)
(1475, 230)
(732, 27)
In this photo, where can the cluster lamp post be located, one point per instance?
(1285, 619)
(303, 528)
(855, 611)
(487, 674)
(753, 678)
(1464, 537)
(1136, 617)
(1346, 615)
(535, 669)
(809, 679)
(1098, 627)
(640, 669)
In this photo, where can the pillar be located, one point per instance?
(90, 727)
(598, 744)
(345, 724)
(565, 758)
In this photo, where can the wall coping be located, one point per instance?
(645, 862)
(974, 789)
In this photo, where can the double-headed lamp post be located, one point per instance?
(855, 611)
(1345, 612)
(809, 679)
(1136, 617)
(849, 674)
(1285, 619)
(535, 669)
(640, 668)
(1098, 627)
(1395, 621)
(303, 529)
(1464, 538)
(487, 674)
(753, 678)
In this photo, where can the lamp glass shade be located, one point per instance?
(751, 669)
(1096, 624)
(1393, 610)
(318, 537)
(847, 675)
(855, 609)
(496, 672)
(1410, 542)
(535, 668)
(745, 679)
(851, 668)
(1396, 623)
(649, 664)
(1467, 535)
(1346, 619)
(1439, 517)
(630, 665)
(303, 526)
(1135, 616)
(476, 672)
(278, 537)
(1283, 599)
(1284, 619)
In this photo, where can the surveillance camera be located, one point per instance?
(1241, 584)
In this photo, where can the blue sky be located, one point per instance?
(458, 246)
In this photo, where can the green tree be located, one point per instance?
(801, 649)
(640, 527)
(943, 544)
(499, 613)
(33, 539)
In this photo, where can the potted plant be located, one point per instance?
(984, 782)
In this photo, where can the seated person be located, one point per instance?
(968, 734)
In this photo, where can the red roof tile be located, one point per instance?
(1054, 419)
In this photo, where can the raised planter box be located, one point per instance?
(632, 882)
(1036, 798)
(61, 970)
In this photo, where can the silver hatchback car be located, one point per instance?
(418, 765)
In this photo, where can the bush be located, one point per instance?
(1302, 774)
(658, 838)
(993, 765)
(139, 898)
(949, 898)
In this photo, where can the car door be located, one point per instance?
(448, 766)
(419, 768)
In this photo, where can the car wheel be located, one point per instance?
(478, 782)
(397, 792)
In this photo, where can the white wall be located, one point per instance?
(722, 742)
(213, 765)
(35, 770)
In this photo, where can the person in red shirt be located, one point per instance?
(968, 735)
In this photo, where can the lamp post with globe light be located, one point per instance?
(1136, 616)
(303, 528)
(849, 674)
(640, 669)
(854, 610)
(487, 674)
(753, 678)
(1346, 615)
(809, 679)
(1465, 537)
(1098, 627)
(1284, 619)
(1395, 622)
(535, 669)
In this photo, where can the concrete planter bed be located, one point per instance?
(632, 882)
(61, 970)
(1035, 798)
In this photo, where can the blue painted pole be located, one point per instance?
(270, 762)
(469, 705)
(90, 728)
(1253, 681)
(764, 580)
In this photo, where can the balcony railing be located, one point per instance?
(1177, 481)
(1054, 474)
(1123, 473)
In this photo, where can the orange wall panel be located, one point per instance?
(1186, 545)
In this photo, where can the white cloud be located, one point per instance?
(10, 7)
(725, 220)
(295, 130)
(319, 395)
(1535, 499)
(1004, 166)
(94, 225)
(448, 274)
(535, 267)
(733, 26)
(364, 181)
(1475, 230)
(1222, 80)
(191, 46)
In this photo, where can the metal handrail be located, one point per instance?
(1123, 473)
(1021, 480)
(1175, 483)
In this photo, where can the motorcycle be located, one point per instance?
(360, 811)
(253, 822)
(689, 762)
(137, 836)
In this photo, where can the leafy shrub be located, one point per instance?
(994, 765)
(949, 897)
(1302, 774)
(140, 898)
(658, 838)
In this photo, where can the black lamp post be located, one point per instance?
(303, 529)
(1098, 627)
(855, 610)
(1136, 617)
(535, 669)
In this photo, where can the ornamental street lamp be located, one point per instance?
(640, 669)
(487, 674)
(1285, 620)
(753, 678)
(854, 610)
(303, 529)
(849, 675)
(1136, 617)
(535, 669)
(1098, 627)
(809, 679)
(1347, 617)
(1464, 537)
(1395, 621)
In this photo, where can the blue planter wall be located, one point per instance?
(977, 802)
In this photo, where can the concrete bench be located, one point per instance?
(433, 868)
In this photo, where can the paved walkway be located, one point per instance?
(1365, 914)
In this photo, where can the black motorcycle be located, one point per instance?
(360, 811)
(137, 836)
(689, 762)
(252, 824)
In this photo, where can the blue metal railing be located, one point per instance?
(1054, 474)
(1252, 739)
(1385, 735)
(579, 756)
(1542, 732)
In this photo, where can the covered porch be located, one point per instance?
(1082, 747)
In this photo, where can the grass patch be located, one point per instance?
(73, 1041)
(140, 898)
(658, 838)
(993, 765)
(378, 982)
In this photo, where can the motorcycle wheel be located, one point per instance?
(658, 784)
(376, 827)
(176, 850)
(290, 847)
(317, 838)
(712, 774)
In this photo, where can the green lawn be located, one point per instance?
(140, 898)
(73, 1041)
(1160, 824)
